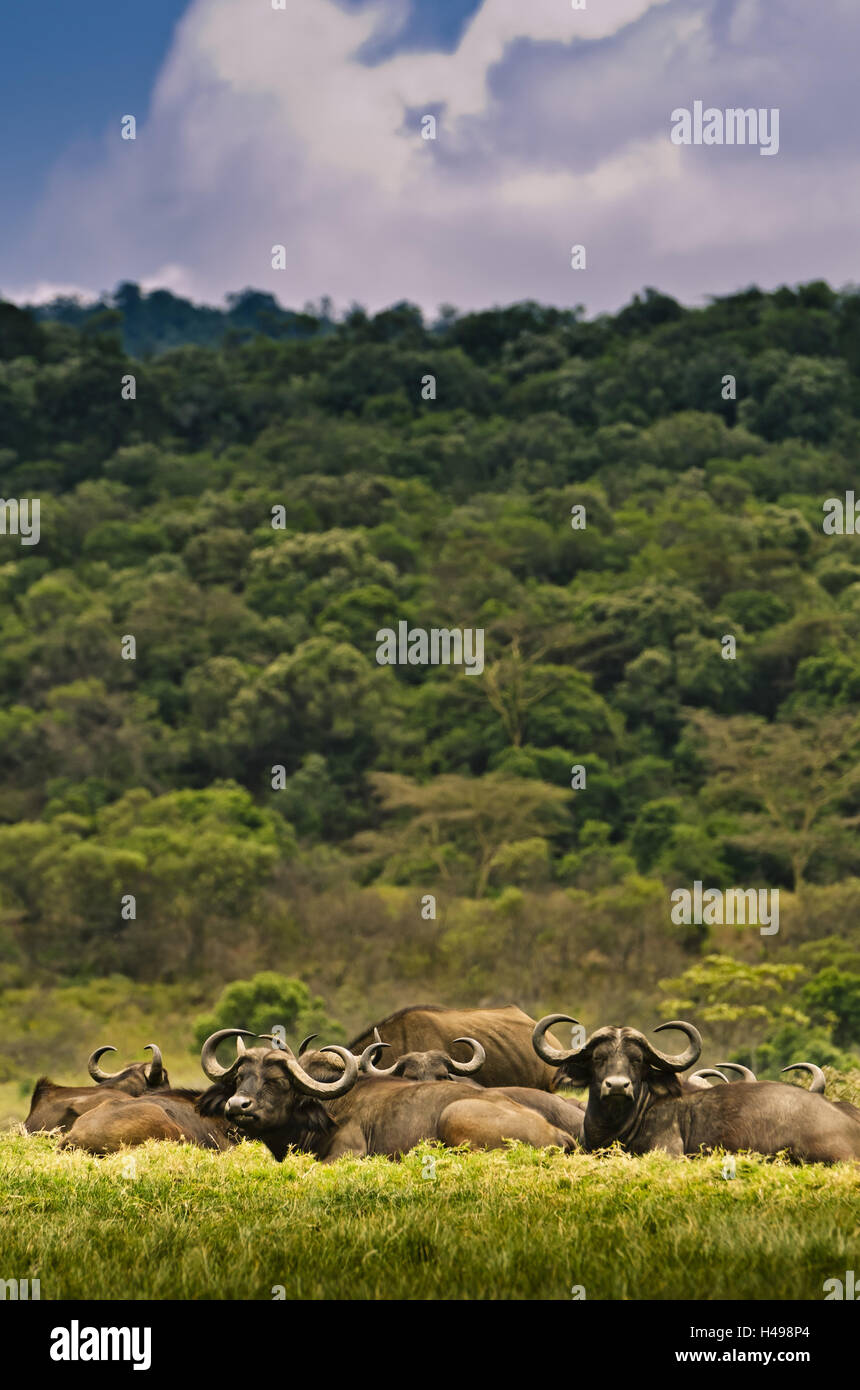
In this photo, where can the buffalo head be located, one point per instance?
(268, 1089)
(135, 1079)
(422, 1066)
(622, 1070)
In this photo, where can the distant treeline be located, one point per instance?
(252, 494)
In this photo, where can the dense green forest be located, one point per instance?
(589, 492)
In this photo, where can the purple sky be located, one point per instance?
(267, 127)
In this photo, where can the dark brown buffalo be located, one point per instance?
(324, 1106)
(566, 1114)
(505, 1034)
(636, 1099)
(818, 1084)
(57, 1107)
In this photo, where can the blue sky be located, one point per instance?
(66, 67)
(71, 65)
(301, 128)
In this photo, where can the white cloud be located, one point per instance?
(175, 278)
(43, 291)
(265, 127)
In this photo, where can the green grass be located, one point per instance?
(170, 1221)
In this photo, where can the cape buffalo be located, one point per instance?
(57, 1107)
(121, 1121)
(505, 1035)
(817, 1086)
(124, 1121)
(324, 1106)
(636, 1099)
(566, 1114)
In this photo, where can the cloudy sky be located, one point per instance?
(301, 126)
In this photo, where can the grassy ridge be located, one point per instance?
(170, 1221)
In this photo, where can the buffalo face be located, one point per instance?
(263, 1096)
(618, 1069)
(622, 1070)
(268, 1089)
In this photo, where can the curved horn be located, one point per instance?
(310, 1086)
(819, 1080)
(304, 1043)
(209, 1062)
(690, 1054)
(155, 1070)
(743, 1072)
(95, 1070)
(369, 1055)
(547, 1053)
(476, 1061)
(707, 1071)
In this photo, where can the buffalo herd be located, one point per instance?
(477, 1078)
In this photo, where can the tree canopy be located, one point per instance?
(629, 507)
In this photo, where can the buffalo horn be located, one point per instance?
(743, 1072)
(368, 1058)
(309, 1084)
(155, 1070)
(95, 1070)
(686, 1058)
(547, 1053)
(209, 1062)
(476, 1061)
(819, 1080)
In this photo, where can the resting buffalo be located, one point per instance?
(636, 1099)
(57, 1107)
(505, 1035)
(564, 1113)
(817, 1086)
(324, 1106)
(124, 1121)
